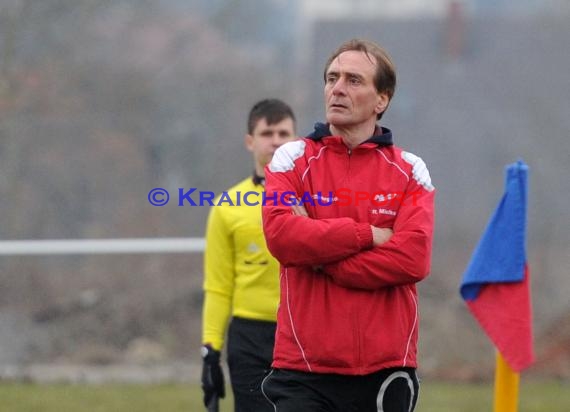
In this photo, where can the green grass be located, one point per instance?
(101, 398)
(539, 396)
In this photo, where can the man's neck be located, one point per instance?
(260, 171)
(353, 136)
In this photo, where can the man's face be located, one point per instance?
(266, 138)
(351, 99)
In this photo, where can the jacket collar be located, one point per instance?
(382, 135)
(258, 180)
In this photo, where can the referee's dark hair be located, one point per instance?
(272, 110)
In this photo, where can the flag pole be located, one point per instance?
(506, 386)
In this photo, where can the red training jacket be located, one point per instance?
(347, 307)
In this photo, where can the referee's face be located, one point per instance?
(266, 138)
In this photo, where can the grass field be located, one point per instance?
(540, 396)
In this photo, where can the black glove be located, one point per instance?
(212, 375)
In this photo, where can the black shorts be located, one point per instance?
(250, 353)
(388, 390)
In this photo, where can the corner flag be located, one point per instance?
(495, 285)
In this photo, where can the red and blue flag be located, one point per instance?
(495, 284)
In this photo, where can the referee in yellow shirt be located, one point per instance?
(241, 279)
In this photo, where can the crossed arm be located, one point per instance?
(379, 234)
(355, 255)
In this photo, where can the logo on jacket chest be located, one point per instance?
(348, 197)
(383, 211)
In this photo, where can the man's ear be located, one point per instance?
(248, 142)
(382, 103)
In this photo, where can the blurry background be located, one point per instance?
(102, 101)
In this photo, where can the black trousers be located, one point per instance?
(250, 353)
(388, 390)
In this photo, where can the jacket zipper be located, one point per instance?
(349, 153)
(356, 318)
(358, 343)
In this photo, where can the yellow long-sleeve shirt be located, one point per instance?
(241, 278)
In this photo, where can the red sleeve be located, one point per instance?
(404, 259)
(298, 240)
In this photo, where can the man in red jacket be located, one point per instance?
(349, 216)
